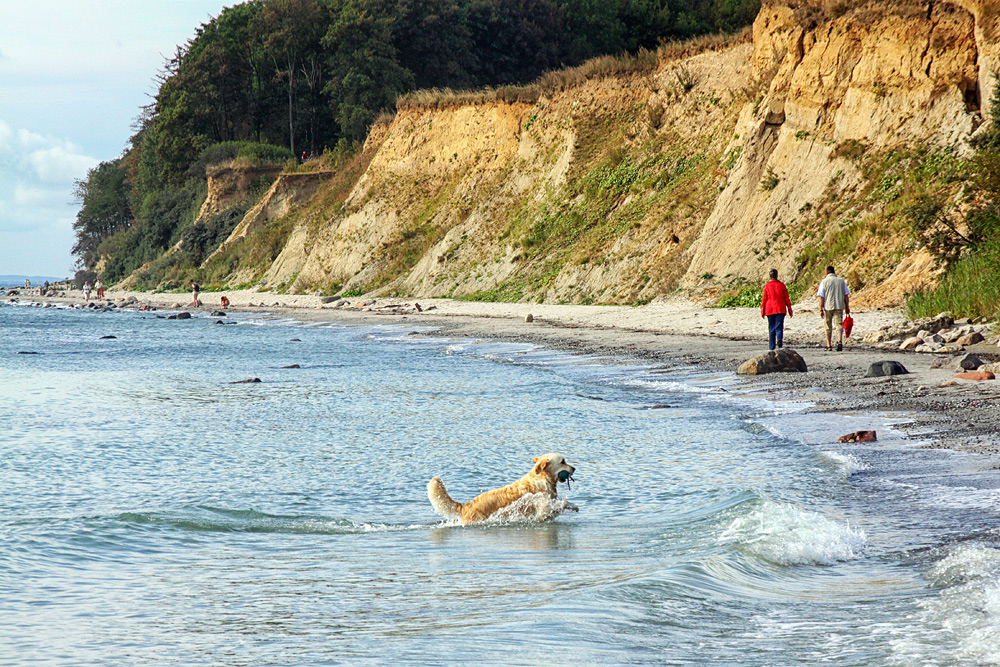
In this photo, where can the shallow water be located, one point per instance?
(154, 514)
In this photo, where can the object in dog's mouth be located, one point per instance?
(565, 476)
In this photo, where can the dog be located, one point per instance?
(547, 472)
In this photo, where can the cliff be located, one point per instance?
(792, 147)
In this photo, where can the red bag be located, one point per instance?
(848, 325)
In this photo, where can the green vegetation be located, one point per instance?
(963, 231)
(267, 80)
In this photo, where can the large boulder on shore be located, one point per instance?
(775, 361)
(882, 369)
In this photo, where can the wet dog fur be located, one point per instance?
(543, 478)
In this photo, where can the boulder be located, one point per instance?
(184, 316)
(976, 375)
(250, 381)
(992, 368)
(775, 361)
(970, 362)
(971, 338)
(330, 299)
(934, 338)
(529, 318)
(911, 343)
(292, 366)
(885, 369)
(218, 313)
(859, 436)
(951, 335)
(108, 337)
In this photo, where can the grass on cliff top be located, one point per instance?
(645, 62)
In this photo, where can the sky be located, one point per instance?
(74, 75)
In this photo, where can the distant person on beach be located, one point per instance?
(45, 288)
(194, 291)
(99, 286)
(774, 305)
(834, 301)
(86, 291)
(224, 302)
(27, 284)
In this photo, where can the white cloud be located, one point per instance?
(36, 191)
(60, 164)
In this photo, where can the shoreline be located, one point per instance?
(676, 332)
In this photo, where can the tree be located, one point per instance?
(104, 209)
(517, 40)
(292, 30)
(365, 73)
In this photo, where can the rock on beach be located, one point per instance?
(859, 436)
(976, 375)
(775, 361)
(885, 369)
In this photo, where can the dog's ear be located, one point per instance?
(540, 464)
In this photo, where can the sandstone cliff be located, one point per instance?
(629, 179)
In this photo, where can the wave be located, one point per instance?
(220, 520)
(848, 464)
(960, 621)
(784, 534)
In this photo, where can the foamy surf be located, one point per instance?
(784, 534)
(528, 509)
(847, 464)
(962, 621)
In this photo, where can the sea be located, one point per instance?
(155, 512)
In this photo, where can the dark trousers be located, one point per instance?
(775, 330)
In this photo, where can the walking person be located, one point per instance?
(774, 305)
(86, 291)
(834, 302)
(99, 286)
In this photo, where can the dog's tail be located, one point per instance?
(441, 501)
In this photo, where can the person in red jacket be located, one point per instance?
(773, 305)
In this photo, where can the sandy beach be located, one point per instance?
(956, 414)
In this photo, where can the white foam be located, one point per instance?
(961, 623)
(784, 534)
(531, 508)
(848, 464)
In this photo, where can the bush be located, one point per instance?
(971, 287)
(747, 297)
(228, 151)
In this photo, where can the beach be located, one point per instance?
(676, 331)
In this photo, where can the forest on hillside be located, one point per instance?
(269, 80)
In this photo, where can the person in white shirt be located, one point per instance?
(834, 301)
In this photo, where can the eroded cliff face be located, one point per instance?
(624, 185)
(884, 75)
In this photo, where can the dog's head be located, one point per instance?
(554, 467)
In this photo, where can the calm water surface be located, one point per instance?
(154, 514)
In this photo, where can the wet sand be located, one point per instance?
(678, 332)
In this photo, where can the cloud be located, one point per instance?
(38, 204)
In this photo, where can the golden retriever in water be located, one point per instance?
(548, 471)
